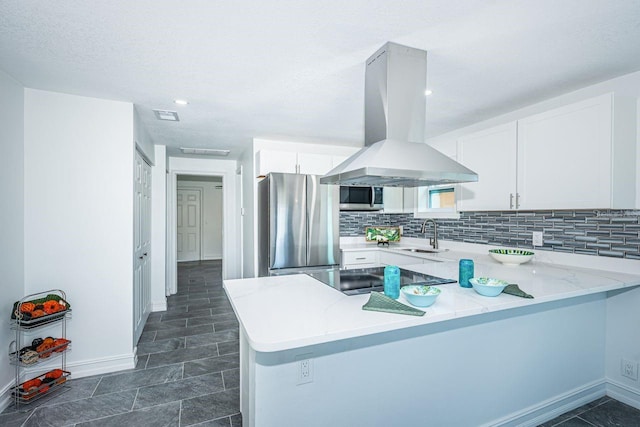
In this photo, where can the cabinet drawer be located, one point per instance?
(390, 258)
(352, 266)
(364, 257)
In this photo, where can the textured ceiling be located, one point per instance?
(295, 69)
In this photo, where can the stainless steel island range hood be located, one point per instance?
(395, 154)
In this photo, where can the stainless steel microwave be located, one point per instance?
(361, 199)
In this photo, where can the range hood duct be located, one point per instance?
(395, 154)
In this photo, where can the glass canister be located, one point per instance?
(465, 272)
(392, 281)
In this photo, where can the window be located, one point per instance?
(436, 201)
(441, 198)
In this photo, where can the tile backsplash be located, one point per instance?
(613, 233)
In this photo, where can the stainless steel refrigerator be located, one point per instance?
(298, 223)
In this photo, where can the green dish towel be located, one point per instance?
(381, 302)
(513, 289)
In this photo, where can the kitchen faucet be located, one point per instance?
(433, 241)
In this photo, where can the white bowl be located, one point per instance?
(420, 295)
(511, 256)
(488, 287)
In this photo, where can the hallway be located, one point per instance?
(187, 372)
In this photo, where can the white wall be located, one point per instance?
(249, 254)
(211, 215)
(79, 220)
(142, 139)
(232, 243)
(11, 214)
(159, 229)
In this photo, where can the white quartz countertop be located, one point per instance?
(286, 312)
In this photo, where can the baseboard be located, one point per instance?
(101, 366)
(159, 305)
(551, 408)
(623, 393)
(5, 396)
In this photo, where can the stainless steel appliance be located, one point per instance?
(364, 280)
(361, 199)
(298, 223)
(394, 153)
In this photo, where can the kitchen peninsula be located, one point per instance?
(470, 360)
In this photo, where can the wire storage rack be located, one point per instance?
(32, 316)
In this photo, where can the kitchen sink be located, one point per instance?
(423, 251)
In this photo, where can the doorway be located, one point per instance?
(199, 218)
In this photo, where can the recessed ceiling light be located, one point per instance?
(428, 92)
(181, 101)
(166, 115)
(206, 151)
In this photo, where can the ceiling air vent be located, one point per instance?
(166, 115)
(206, 151)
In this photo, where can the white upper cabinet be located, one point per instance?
(300, 161)
(314, 164)
(398, 199)
(276, 161)
(291, 162)
(491, 154)
(568, 157)
(579, 156)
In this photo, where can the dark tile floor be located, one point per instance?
(187, 372)
(603, 412)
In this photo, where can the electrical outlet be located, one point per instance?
(629, 369)
(305, 371)
(537, 238)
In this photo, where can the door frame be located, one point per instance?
(232, 239)
(229, 264)
(137, 329)
(201, 191)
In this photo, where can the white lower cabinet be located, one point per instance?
(392, 258)
(360, 259)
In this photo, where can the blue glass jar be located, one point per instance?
(465, 272)
(392, 281)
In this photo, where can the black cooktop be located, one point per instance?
(364, 280)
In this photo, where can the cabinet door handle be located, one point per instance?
(510, 200)
(517, 200)
(362, 258)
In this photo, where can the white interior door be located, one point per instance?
(188, 225)
(142, 246)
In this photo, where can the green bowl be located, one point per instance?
(511, 256)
